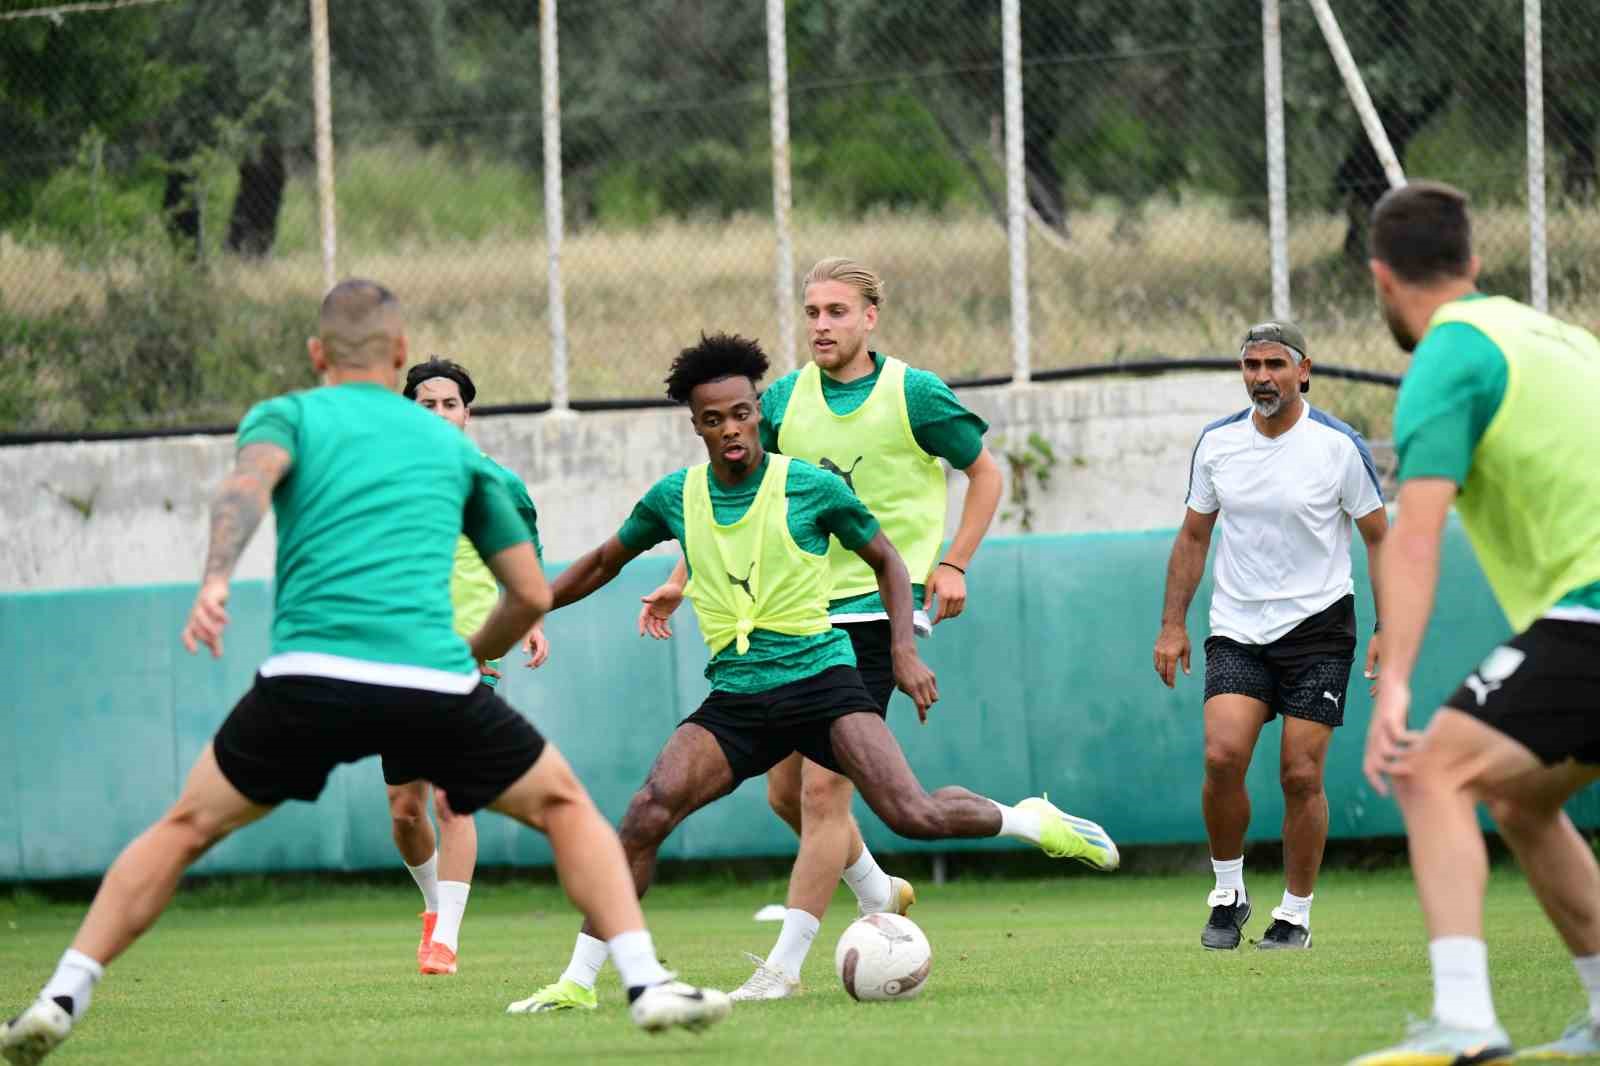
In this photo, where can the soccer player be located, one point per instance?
(755, 530)
(369, 493)
(1286, 480)
(1496, 416)
(849, 411)
(443, 869)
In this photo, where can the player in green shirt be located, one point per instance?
(755, 530)
(886, 430)
(442, 867)
(1495, 417)
(370, 493)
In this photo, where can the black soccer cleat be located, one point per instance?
(1225, 928)
(1283, 934)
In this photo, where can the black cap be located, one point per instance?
(1281, 331)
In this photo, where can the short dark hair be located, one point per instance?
(438, 367)
(1422, 232)
(721, 355)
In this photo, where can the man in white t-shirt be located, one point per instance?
(1286, 480)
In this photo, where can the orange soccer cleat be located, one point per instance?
(439, 960)
(429, 920)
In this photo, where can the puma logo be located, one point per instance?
(833, 468)
(1493, 672)
(744, 582)
(1330, 696)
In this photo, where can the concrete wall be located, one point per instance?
(134, 512)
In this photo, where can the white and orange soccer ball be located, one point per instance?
(883, 957)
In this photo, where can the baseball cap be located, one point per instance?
(1280, 331)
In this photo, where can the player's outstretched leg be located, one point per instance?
(871, 757)
(1460, 761)
(690, 772)
(876, 891)
(1562, 870)
(136, 889)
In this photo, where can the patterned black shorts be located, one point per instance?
(1303, 674)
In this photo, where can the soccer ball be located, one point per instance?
(883, 957)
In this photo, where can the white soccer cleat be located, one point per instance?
(766, 983)
(674, 1003)
(34, 1033)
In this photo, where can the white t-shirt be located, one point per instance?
(1287, 504)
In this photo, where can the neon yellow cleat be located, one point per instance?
(565, 994)
(1064, 836)
(901, 899)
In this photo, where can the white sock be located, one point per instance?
(1461, 982)
(635, 956)
(1299, 906)
(1023, 825)
(1589, 973)
(75, 977)
(1230, 874)
(427, 878)
(868, 881)
(589, 956)
(452, 905)
(794, 942)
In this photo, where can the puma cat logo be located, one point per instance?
(833, 468)
(1493, 672)
(744, 582)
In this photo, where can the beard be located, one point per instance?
(1267, 404)
(1397, 329)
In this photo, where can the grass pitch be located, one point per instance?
(1087, 969)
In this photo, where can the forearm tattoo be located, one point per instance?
(241, 500)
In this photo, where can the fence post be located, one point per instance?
(1538, 250)
(1358, 93)
(322, 103)
(782, 190)
(548, 60)
(1277, 182)
(1016, 194)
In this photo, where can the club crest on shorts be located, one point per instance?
(1499, 665)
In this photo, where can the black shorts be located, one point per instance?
(758, 730)
(1303, 674)
(288, 733)
(873, 661)
(1542, 689)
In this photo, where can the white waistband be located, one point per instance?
(394, 675)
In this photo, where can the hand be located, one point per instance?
(1371, 672)
(486, 668)
(951, 588)
(207, 618)
(912, 676)
(657, 609)
(1172, 648)
(1389, 743)
(537, 645)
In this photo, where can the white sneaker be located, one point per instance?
(766, 983)
(670, 1003)
(34, 1033)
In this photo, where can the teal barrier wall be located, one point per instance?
(1046, 679)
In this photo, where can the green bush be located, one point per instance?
(861, 151)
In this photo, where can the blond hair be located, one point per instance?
(857, 275)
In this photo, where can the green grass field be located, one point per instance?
(1079, 969)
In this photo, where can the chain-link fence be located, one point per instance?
(161, 254)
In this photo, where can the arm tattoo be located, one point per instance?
(241, 500)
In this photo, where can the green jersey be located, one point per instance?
(473, 589)
(819, 505)
(1453, 391)
(940, 424)
(368, 514)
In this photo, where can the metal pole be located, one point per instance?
(548, 57)
(1538, 250)
(782, 190)
(1277, 180)
(322, 101)
(1358, 93)
(1016, 195)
